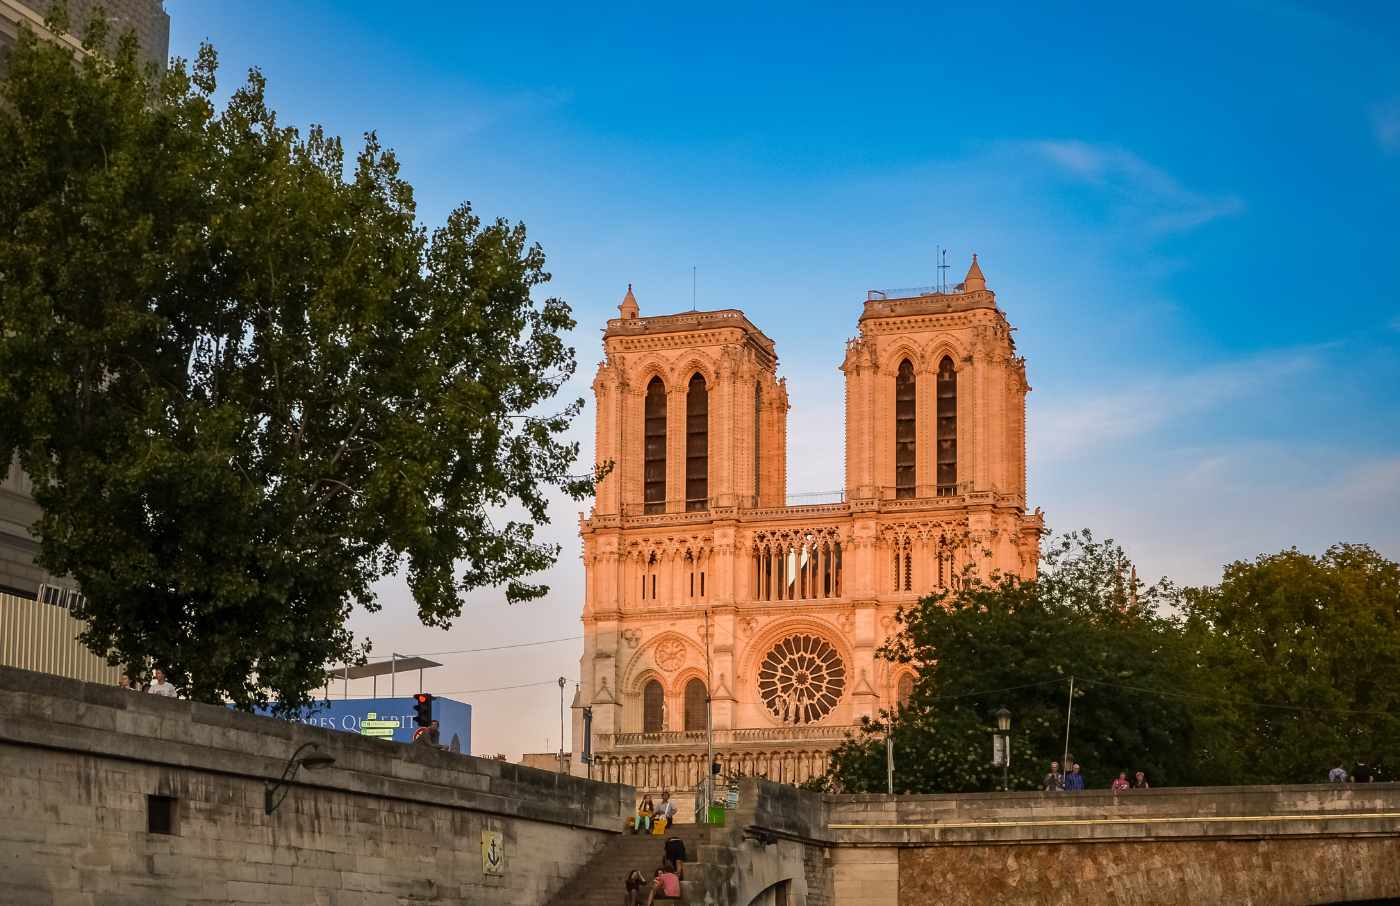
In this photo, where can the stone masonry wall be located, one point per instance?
(385, 824)
(1287, 845)
(1288, 872)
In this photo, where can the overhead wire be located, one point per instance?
(406, 654)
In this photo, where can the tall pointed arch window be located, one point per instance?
(904, 430)
(653, 704)
(697, 445)
(654, 447)
(947, 431)
(904, 689)
(757, 447)
(695, 705)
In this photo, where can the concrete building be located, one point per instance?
(146, 17)
(698, 572)
(36, 630)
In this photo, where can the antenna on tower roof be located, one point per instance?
(941, 256)
(692, 287)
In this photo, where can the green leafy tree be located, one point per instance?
(1310, 648)
(248, 384)
(1016, 644)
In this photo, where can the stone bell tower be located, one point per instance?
(714, 613)
(691, 413)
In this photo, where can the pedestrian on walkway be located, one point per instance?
(1121, 784)
(1140, 781)
(124, 682)
(160, 685)
(674, 853)
(1074, 781)
(1337, 775)
(1054, 781)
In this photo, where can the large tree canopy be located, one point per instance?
(248, 385)
(1016, 644)
(1315, 641)
(1288, 667)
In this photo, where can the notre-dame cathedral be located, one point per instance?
(701, 577)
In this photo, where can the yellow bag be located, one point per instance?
(658, 827)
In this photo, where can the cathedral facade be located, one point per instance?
(702, 582)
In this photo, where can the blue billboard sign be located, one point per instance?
(390, 718)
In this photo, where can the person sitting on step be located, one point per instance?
(644, 813)
(635, 885)
(666, 886)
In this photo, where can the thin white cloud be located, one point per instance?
(1385, 120)
(1213, 504)
(1147, 193)
(1067, 427)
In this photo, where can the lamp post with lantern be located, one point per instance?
(1001, 747)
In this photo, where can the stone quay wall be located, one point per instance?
(1285, 845)
(85, 769)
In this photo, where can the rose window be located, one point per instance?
(801, 679)
(669, 654)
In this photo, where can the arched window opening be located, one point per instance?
(695, 706)
(653, 704)
(697, 445)
(649, 569)
(757, 421)
(904, 430)
(903, 566)
(905, 689)
(947, 428)
(654, 448)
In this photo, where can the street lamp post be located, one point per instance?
(561, 724)
(1004, 731)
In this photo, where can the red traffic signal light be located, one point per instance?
(423, 710)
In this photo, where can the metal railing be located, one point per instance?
(807, 498)
(678, 511)
(911, 292)
(689, 317)
(731, 737)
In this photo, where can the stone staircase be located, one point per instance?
(601, 881)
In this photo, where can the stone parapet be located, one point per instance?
(84, 765)
(1177, 813)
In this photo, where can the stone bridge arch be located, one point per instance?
(763, 871)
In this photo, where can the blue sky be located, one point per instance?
(1189, 213)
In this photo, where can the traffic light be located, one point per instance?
(422, 710)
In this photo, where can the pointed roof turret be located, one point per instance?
(974, 281)
(629, 304)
